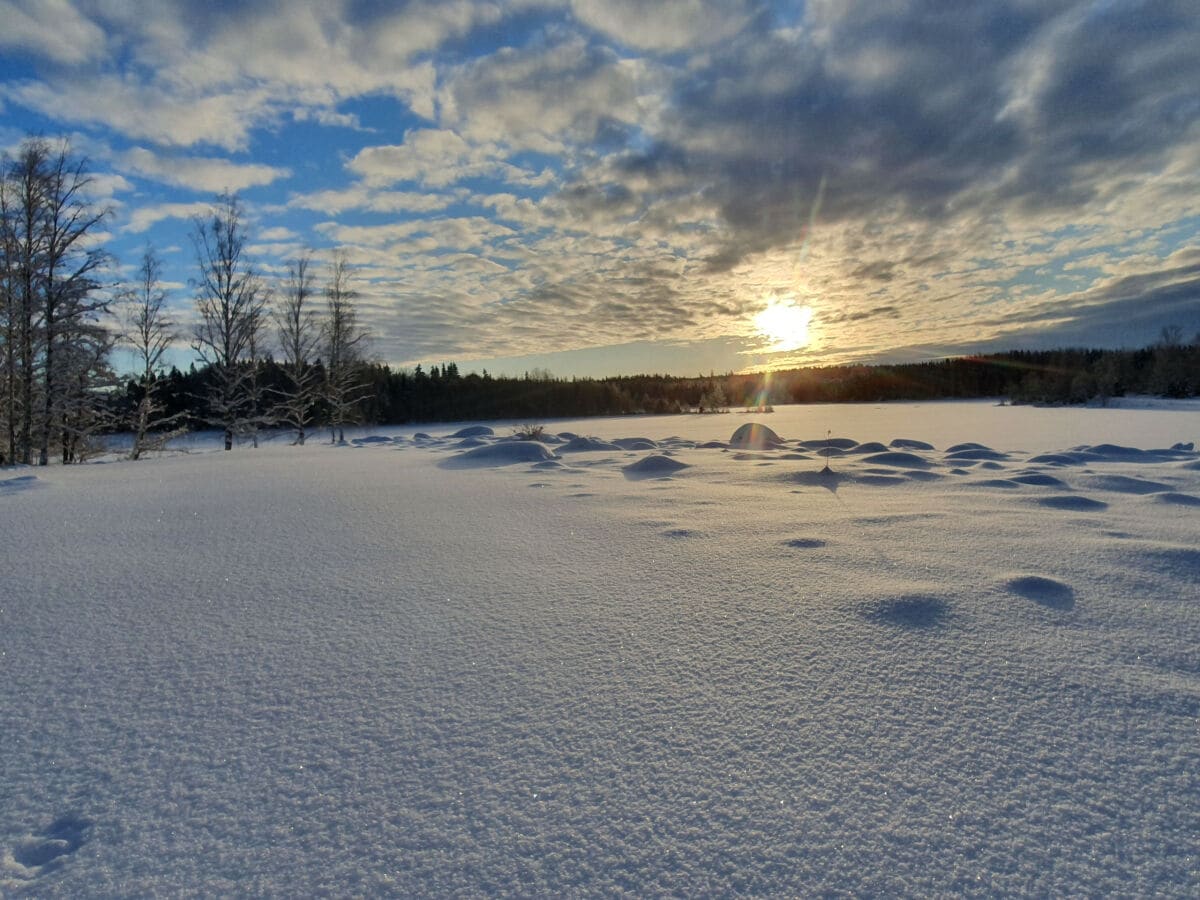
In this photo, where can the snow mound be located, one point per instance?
(1125, 484)
(869, 447)
(371, 440)
(1059, 459)
(1177, 499)
(909, 444)
(1039, 479)
(975, 454)
(503, 454)
(586, 445)
(1117, 453)
(753, 436)
(636, 443)
(841, 444)
(899, 459)
(1002, 483)
(474, 431)
(654, 466)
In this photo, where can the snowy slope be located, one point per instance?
(394, 669)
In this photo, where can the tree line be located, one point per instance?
(59, 325)
(441, 393)
(291, 355)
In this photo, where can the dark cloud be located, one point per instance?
(881, 270)
(928, 111)
(862, 315)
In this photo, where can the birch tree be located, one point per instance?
(299, 328)
(150, 332)
(345, 343)
(70, 304)
(52, 305)
(229, 304)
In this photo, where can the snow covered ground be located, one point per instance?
(463, 666)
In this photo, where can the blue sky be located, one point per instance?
(616, 187)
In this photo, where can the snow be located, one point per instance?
(379, 669)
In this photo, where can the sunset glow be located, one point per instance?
(784, 324)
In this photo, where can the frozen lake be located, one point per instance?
(416, 666)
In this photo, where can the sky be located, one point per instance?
(601, 187)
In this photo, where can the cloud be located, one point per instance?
(592, 172)
(175, 74)
(149, 111)
(553, 94)
(50, 28)
(145, 217)
(279, 233)
(666, 25)
(198, 173)
(362, 197)
(436, 158)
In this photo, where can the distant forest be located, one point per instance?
(440, 392)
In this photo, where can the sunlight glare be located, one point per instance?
(784, 324)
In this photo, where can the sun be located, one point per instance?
(784, 324)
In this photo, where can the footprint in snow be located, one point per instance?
(1040, 589)
(680, 533)
(1072, 503)
(908, 612)
(804, 543)
(38, 854)
(19, 483)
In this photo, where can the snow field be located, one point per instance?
(400, 668)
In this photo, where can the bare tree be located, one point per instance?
(23, 198)
(299, 329)
(229, 301)
(150, 332)
(52, 305)
(258, 414)
(85, 376)
(9, 319)
(345, 341)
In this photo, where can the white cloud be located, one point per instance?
(362, 197)
(145, 217)
(199, 173)
(435, 158)
(149, 112)
(50, 28)
(279, 233)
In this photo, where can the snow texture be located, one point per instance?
(402, 668)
